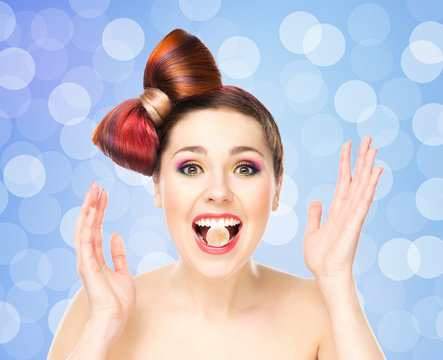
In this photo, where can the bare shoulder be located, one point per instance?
(304, 306)
(71, 327)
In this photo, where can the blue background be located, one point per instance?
(328, 71)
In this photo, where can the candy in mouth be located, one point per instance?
(216, 236)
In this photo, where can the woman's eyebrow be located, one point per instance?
(233, 151)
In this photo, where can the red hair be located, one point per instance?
(180, 66)
(180, 76)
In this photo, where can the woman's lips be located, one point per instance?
(202, 230)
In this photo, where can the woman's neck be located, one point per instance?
(215, 298)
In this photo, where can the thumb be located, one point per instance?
(314, 216)
(118, 254)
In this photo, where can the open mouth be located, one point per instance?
(218, 236)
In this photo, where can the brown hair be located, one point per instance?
(180, 76)
(228, 98)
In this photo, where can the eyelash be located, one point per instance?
(248, 164)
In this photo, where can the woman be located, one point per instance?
(216, 158)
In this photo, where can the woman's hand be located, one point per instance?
(329, 250)
(111, 294)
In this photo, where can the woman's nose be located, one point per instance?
(218, 189)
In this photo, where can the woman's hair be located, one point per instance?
(180, 76)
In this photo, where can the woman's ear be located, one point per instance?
(277, 194)
(157, 195)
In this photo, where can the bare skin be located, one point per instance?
(230, 307)
(287, 321)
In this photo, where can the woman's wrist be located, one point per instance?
(96, 340)
(106, 328)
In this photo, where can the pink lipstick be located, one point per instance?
(211, 249)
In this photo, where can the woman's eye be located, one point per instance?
(192, 169)
(246, 169)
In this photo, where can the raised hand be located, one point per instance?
(329, 250)
(111, 294)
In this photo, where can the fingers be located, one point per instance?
(98, 232)
(368, 195)
(84, 211)
(118, 254)
(368, 166)
(364, 147)
(88, 262)
(91, 212)
(314, 216)
(344, 172)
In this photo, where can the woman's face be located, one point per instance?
(217, 161)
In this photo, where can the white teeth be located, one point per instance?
(219, 222)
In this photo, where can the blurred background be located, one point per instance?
(328, 71)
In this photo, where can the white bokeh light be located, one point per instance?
(69, 103)
(153, 261)
(29, 311)
(52, 29)
(361, 31)
(88, 32)
(432, 11)
(130, 177)
(293, 30)
(56, 313)
(372, 63)
(17, 68)
(76, 140)
(109, 68)
(352, 98)
(89, 79)
(402, 213)
(67, 225)
(382, 124)
(123, 39)
(9, 322)
(30, 269)
(282, 226)
(396, 257)
(431, 33)
(289, 191)
(7, 21)
(402, 95)
(427, 124)
(305, 90)
(426, 52)
(418, 71)
(89, 9)
(383, 294)
(200, 10)
(238, 57)
(398, 331)
(426, 311)
(429, 199)
(326, 51)
(36, 221)
(321, 135)
(24, 175)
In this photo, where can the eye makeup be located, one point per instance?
(248, 163)
(253, 165)
(184, 164)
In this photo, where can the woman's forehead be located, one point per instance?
(217, 127)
